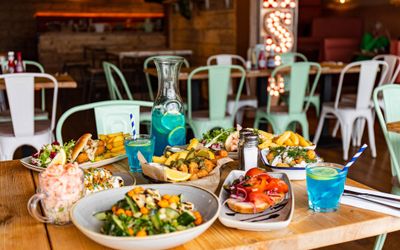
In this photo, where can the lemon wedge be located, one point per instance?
(60, 158)
(175, 175)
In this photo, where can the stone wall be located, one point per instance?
(209, 32)
(18, 26)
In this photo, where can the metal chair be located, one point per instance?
(111, 116)
(218, 86)
(23, 129)
(295, 111)
(247, 100)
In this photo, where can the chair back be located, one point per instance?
(290, 57)
(393, 62)
(225, 59)
(368, 72)
(21, 87)
(218, 86)
(390, 95)
(115, 94)
(147, 76)
(299, 72)
(111, 116)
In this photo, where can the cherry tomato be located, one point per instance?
(255, 184)
(254, 171)
(259, 197)
(277, 185)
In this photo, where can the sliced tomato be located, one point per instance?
(259, 197)
(277, 185)
(254, 172)
(255, 184)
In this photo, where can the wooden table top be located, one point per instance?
(393, 127)
(327, 69)
(64, 82)
(307, 229)
(148, 53)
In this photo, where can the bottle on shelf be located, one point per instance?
(262, 62)
(3, 64)
(271, 59)
(19, 67)
(11, 62)
(253, 59)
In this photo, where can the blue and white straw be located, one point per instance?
(355, 157)
(133, 131)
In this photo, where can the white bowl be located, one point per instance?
(294, 173)
(82, 217)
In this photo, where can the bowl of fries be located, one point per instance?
(289, 153)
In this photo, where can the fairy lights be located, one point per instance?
(276, 86)
(278, 24)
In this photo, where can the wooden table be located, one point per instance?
(64, 82)
(393, 127)
(147, 53)
(307, 229)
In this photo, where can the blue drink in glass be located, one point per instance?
(142, 143)
(325, 185)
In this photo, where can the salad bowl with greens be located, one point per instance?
(146, 217)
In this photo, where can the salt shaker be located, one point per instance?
(250, 152)
(242, 134)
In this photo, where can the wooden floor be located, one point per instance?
(372, 172)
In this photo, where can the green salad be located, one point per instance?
(145, 212)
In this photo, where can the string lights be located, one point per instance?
(276, 86)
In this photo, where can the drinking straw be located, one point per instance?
(133, 132)
(355, 157)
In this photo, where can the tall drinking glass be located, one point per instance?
(325, 185)
(142, 143)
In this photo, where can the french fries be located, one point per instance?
(114, 144)
(288, 138)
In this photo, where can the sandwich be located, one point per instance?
(87, 149)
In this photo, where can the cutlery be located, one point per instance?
(372, 195)
(372, 201)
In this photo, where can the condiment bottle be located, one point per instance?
(19, 68)
(11, 62)
(242, 133)
(250, 151)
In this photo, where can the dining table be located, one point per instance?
(135, 54)
(393, 127)
(65, 81)
(306, 230)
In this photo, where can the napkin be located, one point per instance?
(360, 203)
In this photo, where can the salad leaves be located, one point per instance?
(45, 155)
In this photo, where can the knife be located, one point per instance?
(373, 201)
(372, 195)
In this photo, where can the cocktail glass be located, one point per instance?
(325, 185)
(142, 143)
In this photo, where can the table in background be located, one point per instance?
(306, 230)
(393, 127)
(148, 53)
(64, 82)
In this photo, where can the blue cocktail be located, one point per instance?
(325, 185)
(142, 143)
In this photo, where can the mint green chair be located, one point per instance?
(218, 87)
(290, 57)
(389, 95)
(110, 116)
(115, 93)
(146, 66)
(296, 108)
(40, 113)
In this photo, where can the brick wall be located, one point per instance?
(209, 32)
(18, 26)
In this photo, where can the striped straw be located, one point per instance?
(133, 132)
(355, 157)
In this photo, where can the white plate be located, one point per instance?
(27, 163)
(284, 209)
(82, 217)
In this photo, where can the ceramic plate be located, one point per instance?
(276, 217)
(82, 217)
(27, 163)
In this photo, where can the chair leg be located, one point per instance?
(320, 126)
(371, 136)
(346, 137)
(360, 132)
(380, 241)
(335, 129)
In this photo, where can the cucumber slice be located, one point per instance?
(132, 204)
(101, 215)
(118, 222)
(171, 213)
(155, 219)
(186, 218)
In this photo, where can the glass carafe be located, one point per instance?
(167, 115)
